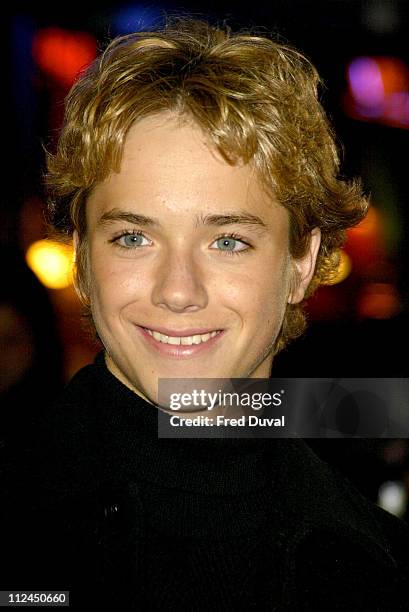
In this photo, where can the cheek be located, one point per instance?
(266, 290)
(259, 299)
(267, 310)
(115, 283)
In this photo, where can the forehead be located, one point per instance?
(168, 162)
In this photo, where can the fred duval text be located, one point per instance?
(221, 421)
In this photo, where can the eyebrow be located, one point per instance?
(115, 214)
(234, 217)
(238, 217)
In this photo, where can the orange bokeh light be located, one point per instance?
(62, 54)
(366, 242)
(378, 301)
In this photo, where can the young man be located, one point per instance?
(197, 175)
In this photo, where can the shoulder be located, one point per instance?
(341, 547)
(351, 570)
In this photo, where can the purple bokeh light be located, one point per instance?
(365, 81)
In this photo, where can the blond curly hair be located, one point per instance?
(257, 100)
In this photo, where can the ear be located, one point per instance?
(304, 268)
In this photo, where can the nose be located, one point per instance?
(180, 283)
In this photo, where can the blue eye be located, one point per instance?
(231, 245)
(130, 240)
(227, 244)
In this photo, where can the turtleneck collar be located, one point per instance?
(128, 426)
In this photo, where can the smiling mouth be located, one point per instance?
(182, 340)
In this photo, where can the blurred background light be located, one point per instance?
(397, 108)
(62, 54)
(378, 301)
(51, 262)
(366, 84)
(134, 19)
(393, 497)
(378, 90)
(365, 243)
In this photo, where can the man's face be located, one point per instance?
(184, 245)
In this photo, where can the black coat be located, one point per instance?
(94, 503)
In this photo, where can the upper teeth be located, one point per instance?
(197, 339)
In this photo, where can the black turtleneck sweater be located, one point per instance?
(179, 522)
(99, 505)
(205, 506)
